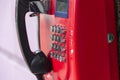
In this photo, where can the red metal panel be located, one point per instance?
(94, 58)
(111, 28)
(88, 55)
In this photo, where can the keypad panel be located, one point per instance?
(58, 42)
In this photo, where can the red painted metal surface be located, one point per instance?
(89, 56)
(111, 28)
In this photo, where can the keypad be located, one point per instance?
(58, 42)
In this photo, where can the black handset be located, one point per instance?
(38, 63)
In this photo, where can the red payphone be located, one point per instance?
(77, 39)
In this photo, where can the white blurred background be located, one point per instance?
(12, 64)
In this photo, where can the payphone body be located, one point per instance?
(75, 36)
(77, 39)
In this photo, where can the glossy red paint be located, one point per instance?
(88, 56)
(111, 28)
